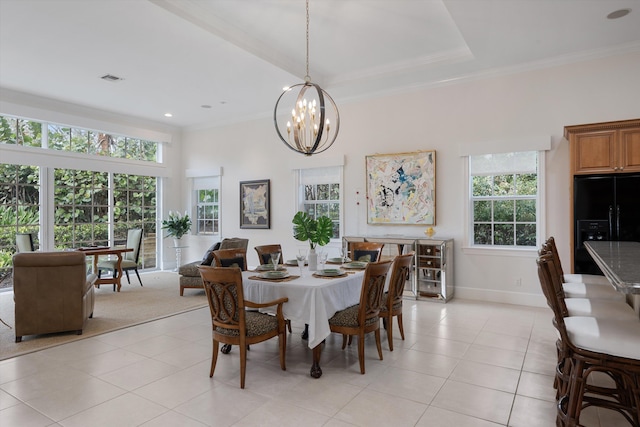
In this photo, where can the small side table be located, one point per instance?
(179, 256)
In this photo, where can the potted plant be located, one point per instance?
(315, 231)
(177, 225)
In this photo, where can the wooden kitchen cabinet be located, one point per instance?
(611, 147)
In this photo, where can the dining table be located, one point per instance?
(96, 252)
(620, 263)
(313, 300)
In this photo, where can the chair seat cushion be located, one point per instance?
(608, 336)
(349, 317)
(589, 279)
(111, 264)
(582, 290)
(257, 324)
(600, 308)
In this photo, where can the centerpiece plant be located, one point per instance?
(316, 231)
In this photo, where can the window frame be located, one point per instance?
(301, 200)
(215, 208)
(504, 250)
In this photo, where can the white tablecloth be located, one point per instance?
(311, 300)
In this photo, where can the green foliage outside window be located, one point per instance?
(504, 209)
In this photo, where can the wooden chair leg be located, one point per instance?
(361, 352)
(127, 273)
(282, 338)
(243, 363)
(214, 358)
(344, 340)
(400, 325)
(389, 322)
(378, 343)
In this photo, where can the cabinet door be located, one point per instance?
(629, 150)
(595, 152)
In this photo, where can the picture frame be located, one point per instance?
(255, 200)
(401, 188)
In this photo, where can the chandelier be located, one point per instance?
(313, 123)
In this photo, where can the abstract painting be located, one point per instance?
(254, 204)
(401, 188)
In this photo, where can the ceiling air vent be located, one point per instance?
(111, 78)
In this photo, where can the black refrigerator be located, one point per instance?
(605, 207)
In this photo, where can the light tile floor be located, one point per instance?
(464, 364)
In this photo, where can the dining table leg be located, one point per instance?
(118, 272)
(316, 371)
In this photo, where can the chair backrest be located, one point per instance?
(265, 251)
(134, 241)
(366, 251)
(551, 246)
(550, 284)
(223, 287)
(399, 274)
(234, 243)
(231, 258)
(24, 242)
(371, 296)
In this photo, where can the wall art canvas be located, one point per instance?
(254, 204)
(401, 188)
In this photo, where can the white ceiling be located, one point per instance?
(237, 55)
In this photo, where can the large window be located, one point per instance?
(19, 211)
(83, 205)
(207, 205)
(319, 194)
(504, 199)
(25, 132)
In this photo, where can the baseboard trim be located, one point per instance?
(492, 295)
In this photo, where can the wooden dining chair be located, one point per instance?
(365, 251)
(231, 258)
(264, 253)
(364, 317)
(232, 323)
(588, 346)
(591, 279)
(579, 289)
(393, 297)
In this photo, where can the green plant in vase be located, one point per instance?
(177, 225)
(315, 231)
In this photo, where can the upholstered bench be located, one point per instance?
(189, 273)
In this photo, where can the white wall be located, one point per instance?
(538, 102)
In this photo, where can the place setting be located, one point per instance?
(273, 272)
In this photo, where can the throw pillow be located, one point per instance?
(207, 259)
(233, 262)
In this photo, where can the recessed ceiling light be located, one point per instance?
(168, 115)
(618, 13)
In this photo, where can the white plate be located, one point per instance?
(280, 274)
(330, 272)
(355, 264)
(294, 262)
(338, 260)
(268, 267)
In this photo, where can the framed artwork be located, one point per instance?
(254, 204)
(401, 188)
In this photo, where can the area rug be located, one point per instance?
(160, 297)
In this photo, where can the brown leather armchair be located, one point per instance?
(52, 292)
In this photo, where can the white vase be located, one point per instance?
(177, 242)
(313, 260)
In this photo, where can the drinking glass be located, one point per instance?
(275, 258)
(301, 257)
(322, 258)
